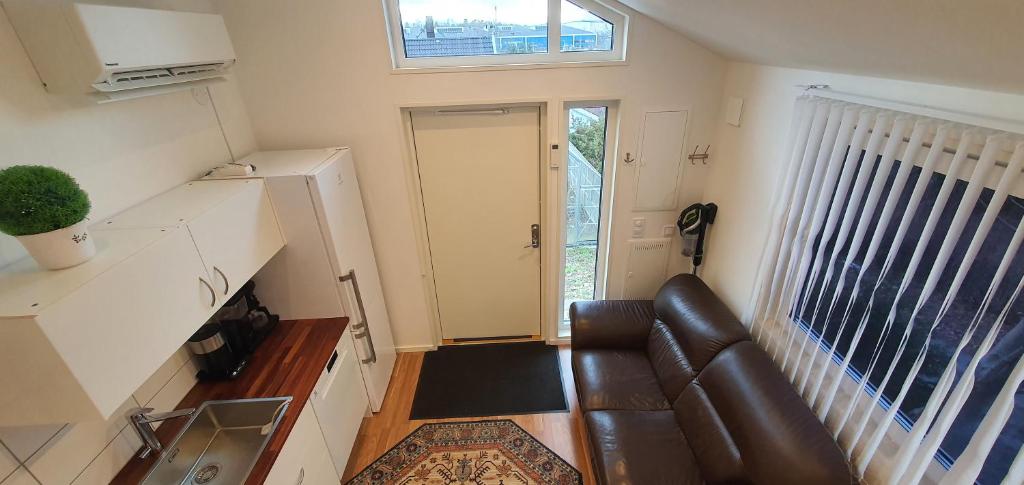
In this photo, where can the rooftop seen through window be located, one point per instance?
(520, 30)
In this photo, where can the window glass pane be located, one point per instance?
(585, 179)
(446, 28)
(584, 31)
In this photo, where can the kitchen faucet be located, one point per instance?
(141, 420)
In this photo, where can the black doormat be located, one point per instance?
(459, 381)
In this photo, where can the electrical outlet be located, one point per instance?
(668, 230)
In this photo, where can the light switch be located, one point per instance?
(639, 227)
(668, 230)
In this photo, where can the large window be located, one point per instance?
(470, 33)
(994, 369)
(897, 248)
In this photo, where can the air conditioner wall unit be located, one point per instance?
(106, 51)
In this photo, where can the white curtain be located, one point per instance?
(889, 256)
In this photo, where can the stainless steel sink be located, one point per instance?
(220, 443)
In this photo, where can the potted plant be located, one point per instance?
(45, 209)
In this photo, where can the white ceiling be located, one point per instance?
(972, 43)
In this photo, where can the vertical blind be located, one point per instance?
(889, 290)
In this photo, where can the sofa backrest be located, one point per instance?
(673, 369)
(741, 417)
(700, 321)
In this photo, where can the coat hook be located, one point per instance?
(629, 159)
(703, 157)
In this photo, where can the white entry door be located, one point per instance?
(480, 180)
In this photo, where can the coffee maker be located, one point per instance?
(223, 345)
(217, 360)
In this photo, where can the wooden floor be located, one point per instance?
(562, 432)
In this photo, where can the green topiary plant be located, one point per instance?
(35, 199)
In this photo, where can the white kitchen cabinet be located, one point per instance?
(304, 458)
(237, 237)
(231, 221)
(75, 343)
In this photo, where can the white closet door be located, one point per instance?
(661, 154)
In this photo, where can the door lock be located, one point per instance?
(534, 237)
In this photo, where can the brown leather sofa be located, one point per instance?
(673, 391)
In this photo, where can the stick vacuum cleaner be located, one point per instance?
(693, 224)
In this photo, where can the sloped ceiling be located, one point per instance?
(971, 43)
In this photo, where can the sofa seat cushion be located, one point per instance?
(616, 379)
(640, 448)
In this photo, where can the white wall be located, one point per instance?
(321, 75)
(747, 164)
(121, 153)
(90, 453)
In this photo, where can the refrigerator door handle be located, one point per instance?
(362, 327)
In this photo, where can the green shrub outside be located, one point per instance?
(588, 137)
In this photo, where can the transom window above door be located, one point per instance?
(475, 33)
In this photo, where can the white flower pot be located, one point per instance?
(62, 248)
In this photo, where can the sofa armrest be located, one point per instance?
(611, 324)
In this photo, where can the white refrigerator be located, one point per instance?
(327, 268)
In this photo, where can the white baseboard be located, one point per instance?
(415, 348)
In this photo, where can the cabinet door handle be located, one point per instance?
(225, 278)
(213, 294)
(365, 334)
(302, 476)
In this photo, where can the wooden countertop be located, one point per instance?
(288, 363)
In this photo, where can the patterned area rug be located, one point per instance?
(495, 452)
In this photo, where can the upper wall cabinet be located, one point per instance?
(75, 343)
(231, 221)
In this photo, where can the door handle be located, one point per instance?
(225, 278)
(365, 334)
(534, 237)
(362, 325)
(213, 294)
